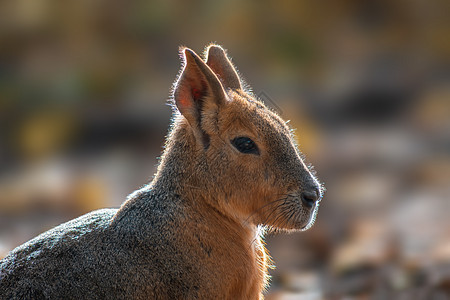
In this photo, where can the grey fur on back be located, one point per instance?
(102, 255)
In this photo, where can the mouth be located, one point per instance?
(296, 211)
(311, 218)
(306, 214)
(295, 215)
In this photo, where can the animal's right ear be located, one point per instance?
(198, 92)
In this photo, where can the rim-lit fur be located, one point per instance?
(195, 232)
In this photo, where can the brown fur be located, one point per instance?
(194, 232)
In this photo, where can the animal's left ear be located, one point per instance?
(218, 61)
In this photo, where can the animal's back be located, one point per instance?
(132, 252)
(61, 257)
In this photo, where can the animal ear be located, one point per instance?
(218, 61)
(197, 91)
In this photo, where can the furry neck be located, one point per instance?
(180, 168)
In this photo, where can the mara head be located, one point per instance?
(241, 155)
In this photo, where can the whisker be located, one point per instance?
(272, 212)
(292, 214)
(282, 216)
(258, 210)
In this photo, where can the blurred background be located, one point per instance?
(83, 87)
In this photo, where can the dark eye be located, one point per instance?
(245, 145)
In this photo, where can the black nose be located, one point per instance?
(309, 198)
